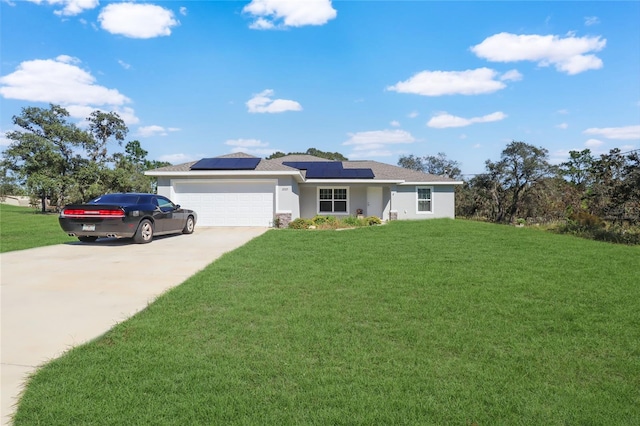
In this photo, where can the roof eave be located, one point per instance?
(344, 181)
(455, 182)
(203, 173)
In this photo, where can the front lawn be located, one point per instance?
(22, 228)
(431, 322)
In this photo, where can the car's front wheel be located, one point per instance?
(189, 226)
(88, 239)
(144, 234)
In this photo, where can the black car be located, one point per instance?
(126, 215)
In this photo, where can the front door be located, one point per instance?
(374, 201)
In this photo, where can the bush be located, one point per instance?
(300, 223)
(353, 221)
(326, 222)
(373, 220)
(584, 219)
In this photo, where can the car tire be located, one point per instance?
(189, 226)
(144, 234)
(88, 239)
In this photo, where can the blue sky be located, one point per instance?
(370, 79)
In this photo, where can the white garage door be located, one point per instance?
(228, 203)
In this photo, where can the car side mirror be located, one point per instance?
(177, 206)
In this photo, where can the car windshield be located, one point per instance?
(116, 199)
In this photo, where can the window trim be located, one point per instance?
(418, 188)
(345, 213)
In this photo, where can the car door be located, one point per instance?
(172, 219)
(160, 216)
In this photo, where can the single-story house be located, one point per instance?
(243, 190)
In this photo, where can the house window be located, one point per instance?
(424, 200)
(332, 200)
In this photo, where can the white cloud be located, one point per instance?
(178, 158)
(246, 143)
(413, 114)
(137, 20)
(469, 82)
(477, 146)
(375, 143)
(593, 143)
(263, 103)
(563, 111)
(154, 130)
(591, 20)
(70, 7)
(562, 126)
(571, 54)
(622, 133)
(183, 11)
(511, 75)
(123, 64)
(270, 14)
(251, 146)
(395, 123)
(61, 81)
(444, 120)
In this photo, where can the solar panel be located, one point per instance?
(226, 164)
(329, 170)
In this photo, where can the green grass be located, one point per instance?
(432, 322)
(22, 228)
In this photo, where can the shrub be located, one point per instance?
(373, 220)
(353, 221)
(326, 222)
(300, 223)
(584, 219)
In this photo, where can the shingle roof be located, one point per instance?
(382, 171)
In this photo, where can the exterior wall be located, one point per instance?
(386, 203)
(405, 202)
(164, 187)
(287, 197)
(357, 199)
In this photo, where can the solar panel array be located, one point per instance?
(329, 170)
(226, 164)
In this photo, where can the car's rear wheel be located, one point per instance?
(189, 226)
(144, 234)
(87, 239)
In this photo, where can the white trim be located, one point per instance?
(431, 183)
(345, 213)
(372, 182)
(222, 173)
(430, 188)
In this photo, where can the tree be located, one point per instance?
(438, 165)
(104, 126)
(507, 181)
(44, 155)
(411, 162)
(335, 156)
(578, 169)
(128, 173)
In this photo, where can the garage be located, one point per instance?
(227, 203)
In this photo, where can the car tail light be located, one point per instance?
(103, 213)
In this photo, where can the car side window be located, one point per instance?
(165, 204)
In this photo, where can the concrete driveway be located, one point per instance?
(54, 298)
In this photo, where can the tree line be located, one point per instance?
(524, 186)
(57, 162)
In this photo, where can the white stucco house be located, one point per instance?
(242, 190)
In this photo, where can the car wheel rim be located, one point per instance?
(190, 225)
(146, 231)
